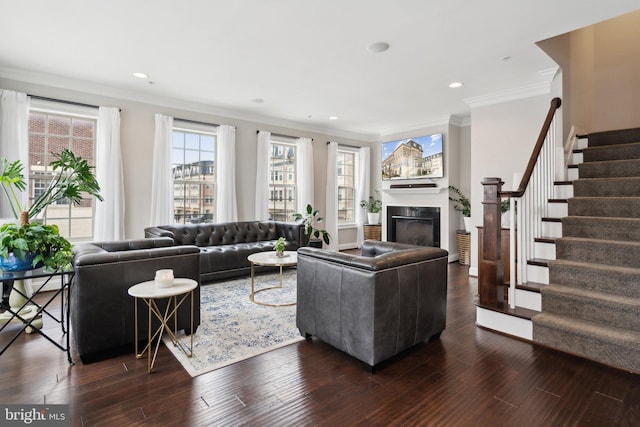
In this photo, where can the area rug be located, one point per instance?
(232, 328)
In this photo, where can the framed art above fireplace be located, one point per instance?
(412, 158)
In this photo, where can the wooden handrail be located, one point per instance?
(524, 182)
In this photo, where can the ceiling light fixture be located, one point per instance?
(454, 85)
(257, 100)
(378, 47)
(333, 118)
(140, 75)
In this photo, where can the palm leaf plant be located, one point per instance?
(72, 177)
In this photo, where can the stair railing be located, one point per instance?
(528, 205)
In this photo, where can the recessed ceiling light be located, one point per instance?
(141, 75)
(378, 47)
(454, 85)
(333, 118)
(257, 100)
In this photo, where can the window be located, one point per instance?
(193, 168)
(282, 183)
(51, 132)
(346, 186)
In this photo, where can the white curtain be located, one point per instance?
(304, 170)
(331, 206)
(226, 205)
(109, 216)
(14, 139)
(161, 177)
(262, 176)
(362, 189)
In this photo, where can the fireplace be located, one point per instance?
(414, 225)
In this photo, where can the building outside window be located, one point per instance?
(51, 131)
(282, 184)
(346, 186)
(193, 168)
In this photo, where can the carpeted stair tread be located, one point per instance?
(617, 136)
(597, 277)
(619, 207)
(611, 152)
(612, 346)
(609, 169)
(607, 187)
(593, 227)
(606, 308)
(610, 252)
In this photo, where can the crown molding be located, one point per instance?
(113, 92)
(543, 88)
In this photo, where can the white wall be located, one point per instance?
(137, 132)
(502, 138)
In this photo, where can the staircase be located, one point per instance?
(591, 307)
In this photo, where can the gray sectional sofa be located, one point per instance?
(374, 305)
(224, 247)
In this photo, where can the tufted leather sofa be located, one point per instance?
(374, 305)
(102, 311)
(224, 247)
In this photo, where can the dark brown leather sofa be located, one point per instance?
(374, 305)
(101, 310)
(224, 247)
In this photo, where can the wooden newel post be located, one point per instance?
(490, 267)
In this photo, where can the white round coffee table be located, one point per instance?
(289, 259)
(149, 293)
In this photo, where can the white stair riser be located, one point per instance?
(551, 229)
(582, 143)
(536, 273)
(544, 250)
(528, 299)
(558, 210)
(572, 174)
(576, 158)
(510, 325)
(563, 191)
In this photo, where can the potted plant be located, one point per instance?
(279, 247)
(461, 204)
(312, 234)
(373, 208)
(30, 240)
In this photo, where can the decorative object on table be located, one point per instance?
(279, 246)
(71, 177)
(233, 328)
(164, 278)
(463, 205)
(312, 234)
(373, 207)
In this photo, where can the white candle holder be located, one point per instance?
(164, 278)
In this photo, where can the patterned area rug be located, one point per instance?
(232, 328)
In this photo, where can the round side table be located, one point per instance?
(149, 293)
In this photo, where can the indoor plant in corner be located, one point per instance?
(373, 207)
(28, 243)
(463, 205)
(312, 234)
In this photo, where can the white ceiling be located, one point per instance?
(306, 58)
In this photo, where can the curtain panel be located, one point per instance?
(109, 214)
(161, 177)
(226, 204)
(262, 176)
(331, 206)
(304, 172)
(362, 190)
(14, 137)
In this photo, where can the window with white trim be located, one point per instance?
(52, 128)
(346, 178)
(193, 167)
(282, 180)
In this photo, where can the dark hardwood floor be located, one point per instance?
(470, 377)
